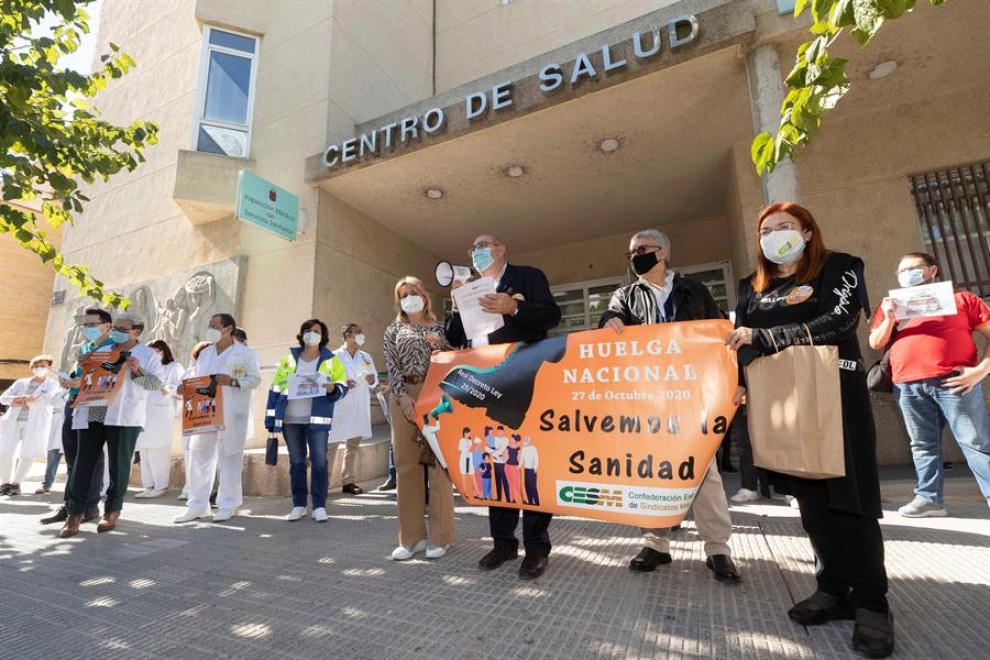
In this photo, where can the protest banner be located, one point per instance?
(202, 405)
(617, 427)
(101, 378)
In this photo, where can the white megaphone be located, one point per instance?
(446, 273)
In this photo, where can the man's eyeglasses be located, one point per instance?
(119, 329)
(641, 250)
(481, 245)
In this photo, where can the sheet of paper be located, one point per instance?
(477, 322)
(306, 386)
(936, 299)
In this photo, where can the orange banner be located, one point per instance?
(617, 427)
(101, 378)
(202, 405)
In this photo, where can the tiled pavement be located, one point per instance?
(259, 587)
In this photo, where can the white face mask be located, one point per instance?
(212, 335)
(40, 372)
(912, 277)
(412, 304)
(311, 338)
(359, 339)
(782, 246)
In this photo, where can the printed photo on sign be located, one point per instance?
(202, 405)
(101, 378)
(595, 424)
(306, 386)
(936, 299)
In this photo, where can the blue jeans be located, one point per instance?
(927, 407)
(54, 456)
(299, 437)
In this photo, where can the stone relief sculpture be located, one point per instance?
(181, 320)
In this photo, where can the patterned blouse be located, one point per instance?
(408, 348)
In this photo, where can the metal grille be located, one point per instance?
(953, 209)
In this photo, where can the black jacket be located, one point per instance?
(636, 304)
(538, 311)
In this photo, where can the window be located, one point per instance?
(953, 208)
(226, 93)
(582, 304)
(718, 278)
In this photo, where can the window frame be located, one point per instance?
(616, 281)
(726, 268)
(201, 87)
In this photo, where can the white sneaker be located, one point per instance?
(144, 493)
(919, 507)
(402, 553)
(297, 513)
(223, 514)
(745, 495)
(189, 516)
(157, 492)
(436, 551)
(320, 514)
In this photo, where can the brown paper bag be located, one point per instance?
(795, 412)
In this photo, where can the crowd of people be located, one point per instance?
(801, 293)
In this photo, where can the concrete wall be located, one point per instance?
(24, 310)
(478, 37)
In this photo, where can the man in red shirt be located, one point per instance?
(937, 381)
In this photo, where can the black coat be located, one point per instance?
(538, 311)
(828, 307)
(636, 304)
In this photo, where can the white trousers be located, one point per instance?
(156, 463)
(206, 461)
(711, 515)
(7, 467)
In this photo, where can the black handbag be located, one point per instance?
(878, 378)
(271, 450)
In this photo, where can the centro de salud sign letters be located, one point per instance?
(646, 45)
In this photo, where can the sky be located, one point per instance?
(81, 60)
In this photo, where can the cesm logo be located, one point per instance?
(589, 495)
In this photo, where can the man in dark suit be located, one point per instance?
(529, 310)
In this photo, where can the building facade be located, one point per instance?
(408, 127)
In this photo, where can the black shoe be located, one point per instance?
(352, 489)
(724, 568)
(532, 566)
(209, 390)
(59, 516)
(873, 634)
(388, 485)
(648, 559)
(92, 513)
(5, 489)
(819, 608)
(496, 558)
(213, 500)
(15, 489)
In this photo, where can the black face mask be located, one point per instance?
(644, 263)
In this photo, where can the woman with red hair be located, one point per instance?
(802, 293)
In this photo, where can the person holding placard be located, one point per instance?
(235, 369)
(116, 425)
(307, 383)
(155, 441)
(803, 295)
(938, 380)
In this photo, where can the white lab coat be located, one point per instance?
(352, 414)
(38, 424)
(58, 418)
(162, 410)
(239, 362)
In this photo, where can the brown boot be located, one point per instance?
(71, 527)
(109, 522)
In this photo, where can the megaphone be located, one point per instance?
(444, 406)
(446, 273)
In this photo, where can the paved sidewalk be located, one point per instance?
(259, 587)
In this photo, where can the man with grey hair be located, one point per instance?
(117, 425)
(661, 296)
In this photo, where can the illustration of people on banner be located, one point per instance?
(100, 378)
(595, 424)
(202, 405)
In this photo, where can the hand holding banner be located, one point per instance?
(618, 427)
